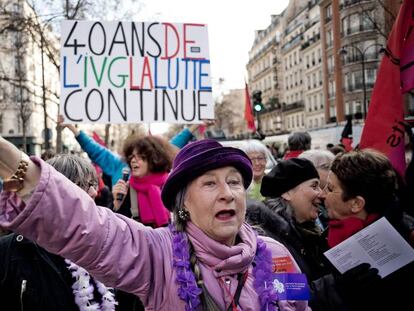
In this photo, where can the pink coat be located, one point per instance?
(124, 254)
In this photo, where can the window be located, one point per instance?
(348, 82)
(370, 75)
(321, 101)
(348, 108)
(329, 38)
(354, 23)
(328, 13)
(332, 111)
(357, 107)
(358, 80)
(345, 25)
(367, 20)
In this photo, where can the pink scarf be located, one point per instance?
(151, 209)
(340, 230)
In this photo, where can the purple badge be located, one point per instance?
(291, 286)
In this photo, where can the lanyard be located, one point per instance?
(241, 279)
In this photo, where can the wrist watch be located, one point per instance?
(16, 182)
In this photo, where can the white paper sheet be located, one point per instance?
(379, 244)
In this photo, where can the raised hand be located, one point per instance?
(71, 127)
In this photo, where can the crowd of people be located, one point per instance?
(191, 224)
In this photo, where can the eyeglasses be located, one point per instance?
(87, 186)
(258, 159)
(136, 156)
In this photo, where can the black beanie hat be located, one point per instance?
(286, 175)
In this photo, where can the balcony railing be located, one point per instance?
(292, 106)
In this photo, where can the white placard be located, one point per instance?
(379, 244)
(130, 72)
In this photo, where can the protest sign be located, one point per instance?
(130, 72)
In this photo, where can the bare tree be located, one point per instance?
(79, 9)
(44, 19)
(14, 78)
(383, 16)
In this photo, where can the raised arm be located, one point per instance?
(64, 220)
(187, 134)
(12, 159)
(110, 162)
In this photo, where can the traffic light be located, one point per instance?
(257, 101)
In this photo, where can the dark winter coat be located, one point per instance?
(33, 279)
(306, 247)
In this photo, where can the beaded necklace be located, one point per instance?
(187, 285)
(83, 291)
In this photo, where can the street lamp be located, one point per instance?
(362, 53)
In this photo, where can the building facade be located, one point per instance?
(29, 84)
(330, 51)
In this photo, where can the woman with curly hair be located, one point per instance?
(150, 159)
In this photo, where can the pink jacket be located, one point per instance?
(124, 254)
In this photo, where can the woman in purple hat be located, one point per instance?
(208, 259)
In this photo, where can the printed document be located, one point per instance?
(379, 244)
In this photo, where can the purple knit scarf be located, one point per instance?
(190, 292)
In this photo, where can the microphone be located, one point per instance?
(125, 175)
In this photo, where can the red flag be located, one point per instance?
(98, 139)
(248, 115)
(346, 136)
(384, 128)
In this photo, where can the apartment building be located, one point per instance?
(22, 73)
(311, 50)
(353, 34)
(265, 71)
(321, 47)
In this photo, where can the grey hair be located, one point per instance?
(76, 169)
(280, 205)
(207, 300)
(299, 141)
(179, 204)
(321, 159)
(254, 146)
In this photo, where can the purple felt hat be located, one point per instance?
(199, 157)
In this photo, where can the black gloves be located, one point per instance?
(357, 281)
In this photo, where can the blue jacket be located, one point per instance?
(111, 163)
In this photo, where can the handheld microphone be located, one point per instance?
(125, 175)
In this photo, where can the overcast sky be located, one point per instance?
(231, 25)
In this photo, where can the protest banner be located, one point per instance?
(135, 72)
